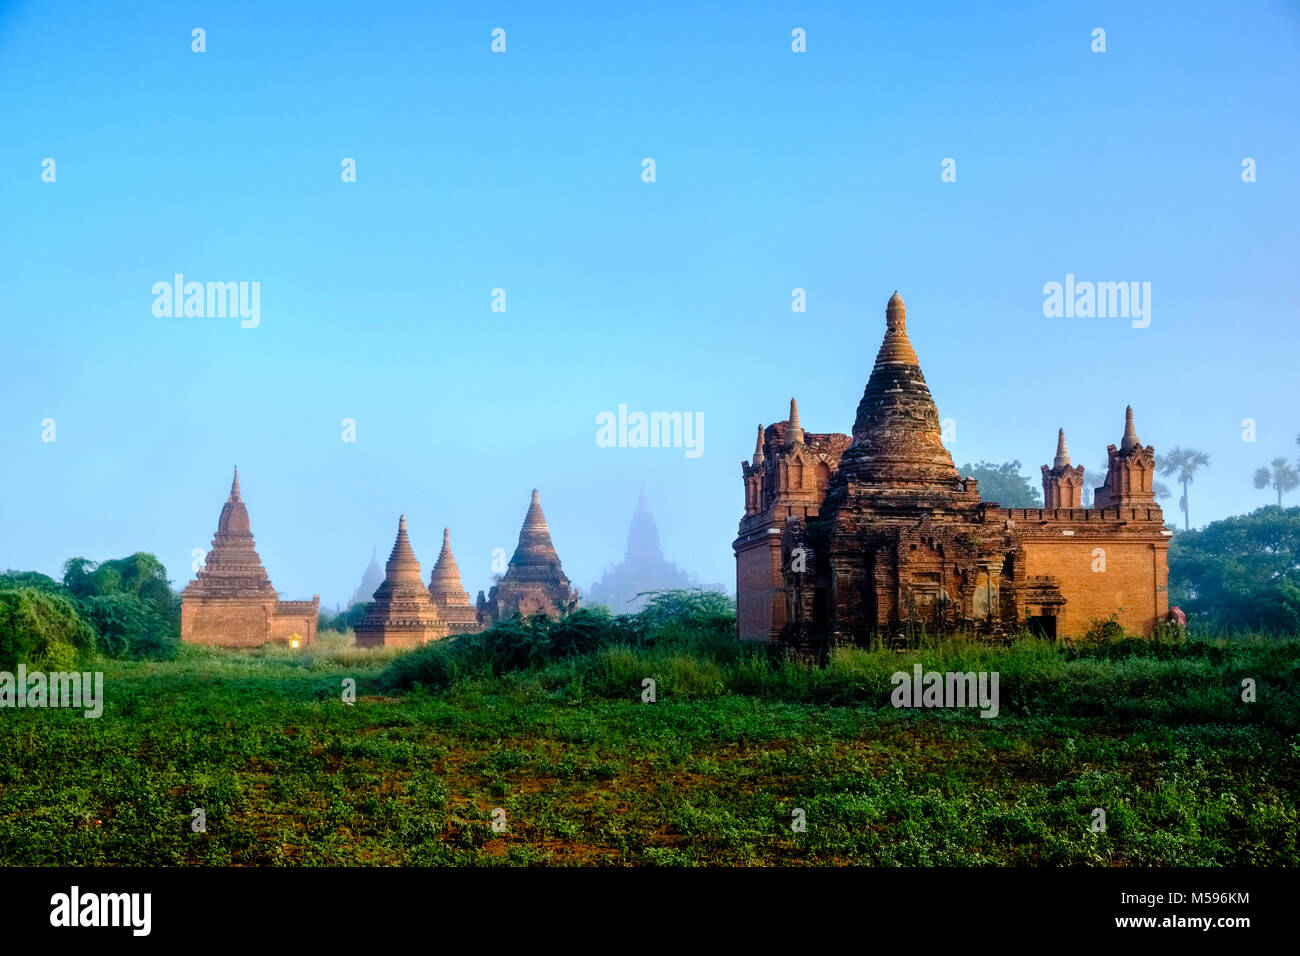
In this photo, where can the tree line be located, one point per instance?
(120, 608)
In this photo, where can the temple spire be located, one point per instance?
(1130, 439)
(1062, 458)
(642, 533)
(444, 581)
(758, 447)
(535, 547)
(402, 613)
(234, 486)
(402, 563)
(897, 436)
(794, 434)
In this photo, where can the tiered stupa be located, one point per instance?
(402, 614)
(534, 582)
(231, 602)
(448, 595)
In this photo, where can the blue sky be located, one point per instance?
(522, 171)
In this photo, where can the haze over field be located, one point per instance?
(523, 171)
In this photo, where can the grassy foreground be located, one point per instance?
(288, 774)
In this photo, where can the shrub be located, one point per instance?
(696, 623)
(42, 630)
(1100, 631)
(129, 603)
(126, 626)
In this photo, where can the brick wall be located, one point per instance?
(760, 589)
(1133, 585)
(226, 623)
(295, 617)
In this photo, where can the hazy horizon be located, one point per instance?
(522, 171)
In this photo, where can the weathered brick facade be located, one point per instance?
(875, 537)
(534, 581)
(231, 602)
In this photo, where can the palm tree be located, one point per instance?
(1183, 463)
(1282, 476)
(1160, 489)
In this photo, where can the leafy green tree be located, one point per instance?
(11, 580)
(1281, 475)
(129, 602)
(42, 630)
(1241, 572)
(128, 626)
(1004, 484)
(345, 620)
(1182, 464)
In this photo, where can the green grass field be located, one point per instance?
(1157, 736)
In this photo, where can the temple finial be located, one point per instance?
(896, 349)
(1130, 439)
(758, 446)
(446, 537)
(1062, 458)
(795, 433)
(896, 313)
(536, 500)
(234, 485)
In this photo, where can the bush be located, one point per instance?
(697, 623)
(1100, 631)
(129, 603)
(126, 626)
(344, 621)
(42, 630)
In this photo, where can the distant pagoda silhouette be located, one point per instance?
(642, 569)
(370, 582)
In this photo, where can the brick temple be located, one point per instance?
(874, 537)
(534, 582)
(447, 594)
(401, 613)
(231, 602)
